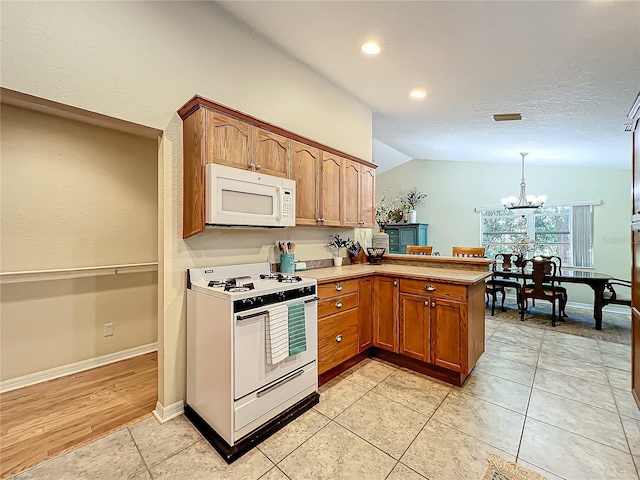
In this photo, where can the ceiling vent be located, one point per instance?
(506, 117)
(628, 127)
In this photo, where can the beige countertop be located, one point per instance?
(448, 275)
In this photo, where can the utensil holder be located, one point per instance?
(287, 262)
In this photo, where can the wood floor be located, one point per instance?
(44, 420)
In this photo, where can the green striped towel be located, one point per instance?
(297, 333)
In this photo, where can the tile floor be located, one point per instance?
(559, 404)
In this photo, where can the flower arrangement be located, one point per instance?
(523, 246)
(387, 209)
(414, 197)
(353, 250)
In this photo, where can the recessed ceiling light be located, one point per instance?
(505, 117)
(370, 48)
(418, 94)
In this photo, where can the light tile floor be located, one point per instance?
(558, 404)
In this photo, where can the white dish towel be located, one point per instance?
(277, 330)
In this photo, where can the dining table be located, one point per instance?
(596, 280)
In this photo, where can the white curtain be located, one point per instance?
(582, 235)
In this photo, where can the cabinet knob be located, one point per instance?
(430, 288)
(318, 220)
(426, 304)
(322, 219)
(339, 338)
(338, 304)
(252, 166)
(258, 167)
(339, 287)
(433, 304)
(395, 284)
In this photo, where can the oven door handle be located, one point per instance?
(314, 299)
(257, 314)
(279, 384)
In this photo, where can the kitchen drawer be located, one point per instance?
(424, 287)
(393, 233)
(394, 248)
(333, 289)
(394, 241)
(337, 339)
(337, 304)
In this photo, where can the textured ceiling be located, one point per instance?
(572, 68)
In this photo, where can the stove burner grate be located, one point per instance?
(270, 276)
(233, 287)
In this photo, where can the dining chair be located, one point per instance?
(543, 286)
(559, 288)
(468, 252)
(617, 298)
(419, 249)
(494, 285)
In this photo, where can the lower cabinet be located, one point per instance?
(449, 335)
(385, 314)
(415, 328)
(421, 319)
(365, 313)
(337, 339)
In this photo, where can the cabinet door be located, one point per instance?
(350, 193)
(270, 153)
(408, 236)
(367, 196)
(365, 314)
(385, 324)
(305, 171)
(330, 188)
(228, 140)
(448, 334)
(415, 331)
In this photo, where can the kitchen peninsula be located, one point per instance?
(423, 313)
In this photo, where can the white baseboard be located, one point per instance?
(57, 372)
(164, 414)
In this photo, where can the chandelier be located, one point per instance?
(524, 204)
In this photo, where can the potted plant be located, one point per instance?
(353, 250)
(338, 245)
(413, 198)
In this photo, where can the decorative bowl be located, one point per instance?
(375, 254)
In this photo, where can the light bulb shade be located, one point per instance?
(524, 204)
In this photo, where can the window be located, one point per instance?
(562, 230)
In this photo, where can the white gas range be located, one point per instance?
(236, 396)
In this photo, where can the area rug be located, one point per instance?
(616, 327)
(501, 469)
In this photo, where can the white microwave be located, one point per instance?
(236, 197)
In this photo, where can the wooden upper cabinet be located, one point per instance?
(193, 190)
(270, 153)
(385, 318)
(351, 193)
(305, 170)
(330, 189)
(367, 196)
(228, 141)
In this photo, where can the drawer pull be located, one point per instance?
(430, 288)
(338, 304)
(433, 304)
(339, 287)
(395, 283)
(339, 338)
(426, 304)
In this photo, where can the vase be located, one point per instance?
(413, 216)
(337, 261)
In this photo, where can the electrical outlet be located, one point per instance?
(108, 329)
